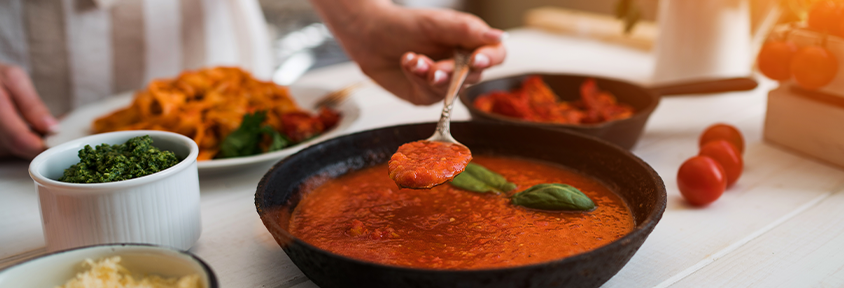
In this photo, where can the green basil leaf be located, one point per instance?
(477, 178)
(468, 182)
(244, 141)
(553, 196)
(278, 140)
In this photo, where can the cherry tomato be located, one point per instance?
(823, 15)
(727, 155)
(701, 180)
(722, 131)
(774, 59)
(813, 67)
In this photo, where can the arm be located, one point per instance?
(23, 116)
(408, 51)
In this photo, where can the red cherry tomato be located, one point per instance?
(813, 67)
(823, 15)
(727, 155)
(723, 131)
(701, 180)
(774, 59)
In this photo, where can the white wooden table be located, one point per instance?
(782, 224)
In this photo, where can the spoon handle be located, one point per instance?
(461, 70)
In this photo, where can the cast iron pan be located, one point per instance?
(625, 132)
(280, 190)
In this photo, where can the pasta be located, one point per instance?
(208, 104)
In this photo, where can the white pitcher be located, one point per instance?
(702, 39)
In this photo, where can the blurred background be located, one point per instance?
(302, 43)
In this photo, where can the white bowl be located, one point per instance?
(161, 208)
(57, 268)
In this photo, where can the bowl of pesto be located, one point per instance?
(119, 187)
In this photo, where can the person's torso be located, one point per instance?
(79, 51)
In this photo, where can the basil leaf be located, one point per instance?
(244, 141)
(278, 140)
(476, 178)
(553, 196)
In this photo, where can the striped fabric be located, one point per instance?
(80, 51)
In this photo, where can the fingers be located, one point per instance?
(15, 135)
(482, 58)
(22, 93)
(441, 73)
(417, 65)
(429, 79)
(416, 69)
(488, 56)
(454, 28)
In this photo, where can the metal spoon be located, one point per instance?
(461, 70)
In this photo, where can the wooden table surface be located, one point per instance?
(781, 225)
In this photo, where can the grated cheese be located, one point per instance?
(108, 273)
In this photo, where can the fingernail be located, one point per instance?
(481, 61)
(504, 36)
(421, 66)
(495, 35)
(408, 57)
(439, 77)
(52, 124)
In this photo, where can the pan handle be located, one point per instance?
(706, 86)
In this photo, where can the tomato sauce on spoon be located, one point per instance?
(424, 164)
(427, 163)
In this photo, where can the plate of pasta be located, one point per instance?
(235, 119)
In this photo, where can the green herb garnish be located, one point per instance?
(476, 178)
(245, 141)
(109, 163)
(553, 196)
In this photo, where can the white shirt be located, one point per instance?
(79, 51)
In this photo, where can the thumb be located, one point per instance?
(455, 28)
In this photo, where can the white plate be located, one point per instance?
(78, 124)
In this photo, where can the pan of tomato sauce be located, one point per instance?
(339, 217)
(364, 215)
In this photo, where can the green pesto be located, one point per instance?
(109, 163)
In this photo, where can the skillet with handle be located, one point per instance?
(624, 132)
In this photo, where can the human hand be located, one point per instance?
(23, 116)
(408, 51)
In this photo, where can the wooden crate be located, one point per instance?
(810, 123)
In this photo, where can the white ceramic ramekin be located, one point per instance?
(160, 209)
(57, 268)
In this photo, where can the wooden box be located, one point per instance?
(810, 123)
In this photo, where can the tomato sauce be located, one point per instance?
(425, 164)
(364, 215)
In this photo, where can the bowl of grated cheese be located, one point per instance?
(112, 266)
